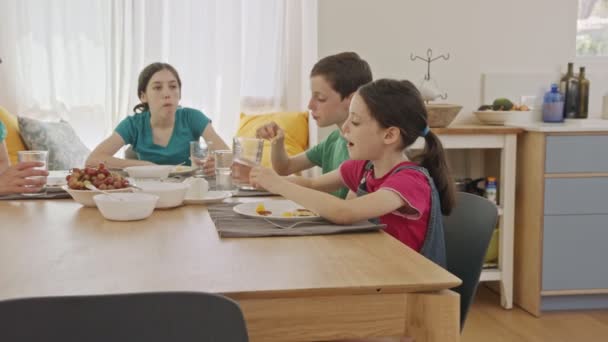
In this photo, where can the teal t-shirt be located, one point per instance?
(329, 154)
(189, 125)
(2, 131)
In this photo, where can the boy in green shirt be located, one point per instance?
(333, 81)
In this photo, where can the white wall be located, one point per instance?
(482, 36)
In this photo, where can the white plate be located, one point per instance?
(181, 170)
(57, 178)
(277, 208)
(210, 197)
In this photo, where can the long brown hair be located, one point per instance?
(398, 104)
(144, 78)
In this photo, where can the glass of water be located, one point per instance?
(247, 154)
(223, 170)
(35, 156)
(199, 152)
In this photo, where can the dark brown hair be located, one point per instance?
(345, 72)
(398, 104)
(144, 78)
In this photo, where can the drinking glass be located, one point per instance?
(247, 154)
(223, 170)
(199, 152)
(35, 156)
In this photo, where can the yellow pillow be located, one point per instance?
(13, 137)
(294, 124)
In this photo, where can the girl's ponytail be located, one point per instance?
(434, 160)
(140, 108)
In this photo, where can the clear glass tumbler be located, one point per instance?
(35, 156)
(247, 154)
(199, 152)
(223, 170)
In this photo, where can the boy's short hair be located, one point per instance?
(345, 72)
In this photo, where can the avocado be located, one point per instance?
(485, 107)
(502, 104)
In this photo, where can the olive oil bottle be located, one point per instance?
(582, 106)
(568, 86)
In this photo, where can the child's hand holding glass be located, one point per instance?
(202, 158)
(262, 177)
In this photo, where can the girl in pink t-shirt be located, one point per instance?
(386, 116)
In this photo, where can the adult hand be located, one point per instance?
(15, 178)
(209, 166)
(262, 177)
(270, 131)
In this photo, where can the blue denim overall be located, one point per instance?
(433, 246)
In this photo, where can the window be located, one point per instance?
(592, 28)
(79, 60)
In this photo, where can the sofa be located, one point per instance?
(66, 150)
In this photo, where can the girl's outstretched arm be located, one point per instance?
(328, 206)
(328, 182)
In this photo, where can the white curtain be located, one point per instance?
(79, 59)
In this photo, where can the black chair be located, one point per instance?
(468, 231)
(150, 317)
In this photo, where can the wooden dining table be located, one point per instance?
(307, 288)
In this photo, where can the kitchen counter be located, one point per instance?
(561, 215)
(570, 125)
(501, 139)
(477, 130)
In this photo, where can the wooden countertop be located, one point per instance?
(476, 129)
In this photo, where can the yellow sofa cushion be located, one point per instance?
(294, 124)
(13, 137)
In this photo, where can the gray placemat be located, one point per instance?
(230, 224)
(241, 192)
(48, 195)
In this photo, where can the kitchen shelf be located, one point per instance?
(503, 139)
(490, 274)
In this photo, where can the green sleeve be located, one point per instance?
(315, 153)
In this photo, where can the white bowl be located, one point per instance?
(126, 206)
(149, 171)
(85, 197)
(505, 117)
(171, 194)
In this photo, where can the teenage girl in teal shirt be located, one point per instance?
(160, 131)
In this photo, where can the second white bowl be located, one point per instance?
(149, 171)
(170, 194)
(503, 117)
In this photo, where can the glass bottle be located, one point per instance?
(491, 189)
(569, 88)
(553, 105)
(563, 82)
(582, 110)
